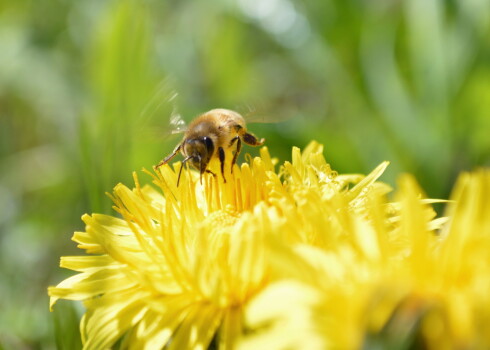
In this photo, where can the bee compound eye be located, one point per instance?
(209, 144)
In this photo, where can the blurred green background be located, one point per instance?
(84, 100)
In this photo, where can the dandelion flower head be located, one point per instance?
(301, 257)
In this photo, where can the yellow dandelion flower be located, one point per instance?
(181, 265)
(397, 277)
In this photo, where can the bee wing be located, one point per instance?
(160, 119)
(267, 112)
(255, 116)
(177, 124)
(160, 105)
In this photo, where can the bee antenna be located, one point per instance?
(181, 167)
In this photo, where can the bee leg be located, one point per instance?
(169, 157)
(251, 140)
(221, 155)
(237, 151)
(210, 172)
(233, 140)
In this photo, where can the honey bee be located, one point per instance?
(208, 136)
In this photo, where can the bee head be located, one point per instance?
(199, 152)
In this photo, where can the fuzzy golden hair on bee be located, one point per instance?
(210, 136)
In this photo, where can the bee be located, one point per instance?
(208, 136)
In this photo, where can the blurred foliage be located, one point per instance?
(85, 91)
